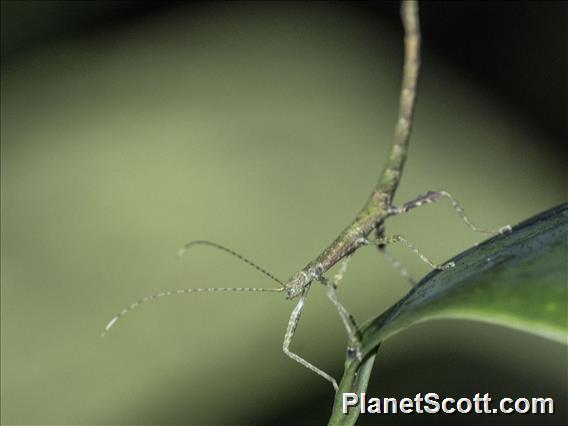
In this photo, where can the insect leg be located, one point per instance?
(383, 241)
(290, 329)
(342, 269)
(433, 196)
(348, 320)
(397, 265)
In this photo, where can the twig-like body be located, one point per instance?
(379, 205)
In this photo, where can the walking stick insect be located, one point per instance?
(368, 227)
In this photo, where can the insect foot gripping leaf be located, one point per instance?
(518, 279)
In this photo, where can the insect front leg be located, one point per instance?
(290, 330)
(348, 320)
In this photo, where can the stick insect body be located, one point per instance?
(367, 228)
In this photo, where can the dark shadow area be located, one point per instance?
(436, 372)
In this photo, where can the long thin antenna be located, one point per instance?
(201, 290)
(182, 251)
(113, 321)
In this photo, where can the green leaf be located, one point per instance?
(518, 280)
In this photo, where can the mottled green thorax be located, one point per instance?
(379, 204)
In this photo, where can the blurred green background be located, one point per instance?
(129, 129)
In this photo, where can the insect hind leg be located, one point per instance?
(433, 196)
